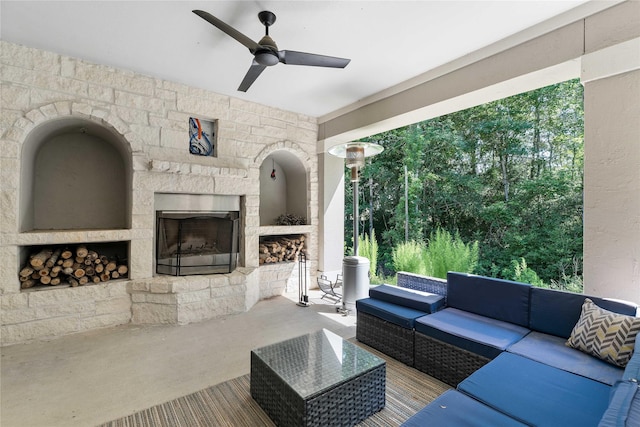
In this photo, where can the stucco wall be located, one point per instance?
(612, 187)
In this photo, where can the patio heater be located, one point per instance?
(355, 269)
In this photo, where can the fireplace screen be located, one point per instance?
(196, 243)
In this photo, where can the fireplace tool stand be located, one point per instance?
(303, 298)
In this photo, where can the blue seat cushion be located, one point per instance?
(537, 394)
(479, 334)
(624, 406)
(396, 314)
(418, 300)
(496, 298)
(557, 312)
(551, 350)
(455, 409)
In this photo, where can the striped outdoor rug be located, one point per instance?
(230, 403)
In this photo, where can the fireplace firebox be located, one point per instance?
(190, 243)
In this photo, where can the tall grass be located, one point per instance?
(409, 256)
(443, 253)
(368, 248)
(449, 253)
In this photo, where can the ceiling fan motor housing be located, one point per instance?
(266, 57)
(267, 54)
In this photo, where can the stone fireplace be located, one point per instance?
(103, 159)
(196, 243)
(201, 240)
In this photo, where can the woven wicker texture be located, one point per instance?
(387, 337)
(317, 379)
(444, 361)
(418, 282)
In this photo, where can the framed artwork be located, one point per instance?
(202, 137)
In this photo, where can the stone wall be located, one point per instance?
(151, 117)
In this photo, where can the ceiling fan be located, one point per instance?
(265, 52)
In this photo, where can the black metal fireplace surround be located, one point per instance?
(189, 243)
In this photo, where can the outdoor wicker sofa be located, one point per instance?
(386, 320)
(501, 344)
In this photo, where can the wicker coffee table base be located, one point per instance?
(444, 361)
(346, 404)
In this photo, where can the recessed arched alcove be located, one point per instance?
(283, 187)
(75, 175)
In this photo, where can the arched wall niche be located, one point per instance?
(288, 192)
(76, 174)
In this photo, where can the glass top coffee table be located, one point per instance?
(317, 379)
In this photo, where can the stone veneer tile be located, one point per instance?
(114, 305)
(68, 295)
(14, 301)
(38, 329)
(219, 280)
(226, 291)
(75, 308)
(104, 321)
(190, 284)
(193, 296)
(154, 313)
(15, 97)
(17, 316)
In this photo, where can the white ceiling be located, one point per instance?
(388, 42)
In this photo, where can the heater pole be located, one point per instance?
(355, 215)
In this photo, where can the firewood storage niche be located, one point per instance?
(75, 180)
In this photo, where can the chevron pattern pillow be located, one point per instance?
(606, 335)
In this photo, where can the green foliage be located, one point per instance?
(507, 174)
(380, 279)
(368, 248)
(443, 253)
(571, 282)
(449, 253)
(520, 272)
(409, 257)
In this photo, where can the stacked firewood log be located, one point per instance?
(75, 267)
(281, 248)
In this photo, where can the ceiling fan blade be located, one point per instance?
(291, 57)
(254, 71)
(228, 29)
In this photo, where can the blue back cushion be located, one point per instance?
(496, 298)
(557, 312)
(423, 301)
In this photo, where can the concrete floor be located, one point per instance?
(90, 378)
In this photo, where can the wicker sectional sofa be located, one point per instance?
(501, 345)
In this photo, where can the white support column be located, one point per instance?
(331, 211)
(611, 79)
